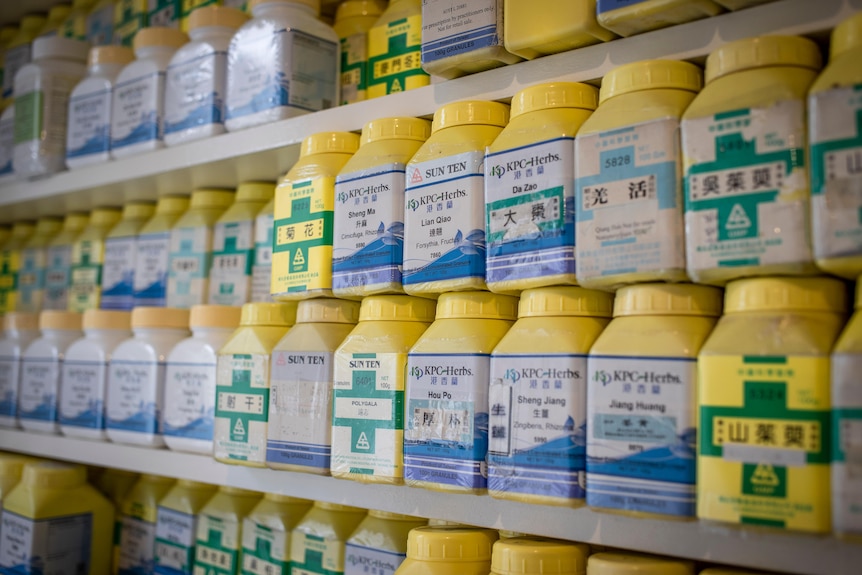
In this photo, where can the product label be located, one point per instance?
(360, 560)
(233, 257)
(763, 455)
(40, 381)
(135, 115)
(59, 545)
(282, 68)
(9, 373)
(451, 29)
(846, 444)
(57, 277)
(265, 551)
(300, 409)
(137, 543)
(529, 214)
(629, 198)
(194, 93)
(9, 265)
(86, 277)
(262, 268)
(29, 116)
(368, 414)
(100, 26)
(314, 555)
(164, 13)
(89, 124)
(395, 57)
(190, 400)
(13, 60)
(641, 434)
(129, 17)
(835, 128)
(151, 269)
(31, 280)
(446, 436)
(242, 404)
(217, 546)
(175, 542)
(118, 274)
(537, 421)
(134, 400)
(7, 144)
(354, 76)
(746, 183)
(82, 396)
(302, 246)
(190, 259)
(368, 247)
(445, 219)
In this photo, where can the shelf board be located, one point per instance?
(753, 548)
(266, 152)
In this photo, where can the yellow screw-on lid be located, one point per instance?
(172, 204)
(209, 198)
(159, 36)
(107, 319)
(227, 489)
(667, 299)
(651, 75)
(760, 52)
(54, 475)
(59, 12)
(415, 129)
(279, 498)
(554, 95)
(449, 543)
(110, 55)
(61, 320)
(30, 24)
(846, 36)
(392, 516)
(6, 34)
(397, 308)
(538, 556)
(313, 4)
(104, 217)
(470, 112)
(634, 564)
(23, 229)
(139, 211)
(75, 222)
(506, 534)
(48, 226)
(357, 8)
(329, 143)
(820, 294)
(218, 316)
(338, 507)
(217, 16)
(255, 191)
(327, 310)
(478, 305)
(565, 300)
(270, 314)
(13, 464)
(160, 318)
(20, 321)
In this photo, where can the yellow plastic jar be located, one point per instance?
(118, 269)
(299, 431)
(448, 550)
(88, 257)
(266, 534)
(10, 263)
(764, 398)
(369, 382)
(58, 272)
(446, 432)
(304, 205)
(444, 222)
(368, 246)
(379, 542)
(137, 516)
(176, 526)
(153, 252)
(529, 188)
(353, 20)
(242, 383)
(642, 386)
(219, 538)
(621, 563)
(543, 27)
(746, 180)
(538, 556)
(395, 50)
(30, 287)
(538, 396)
(629, 17)
(317, 543)
(628, 170)
(11, 469)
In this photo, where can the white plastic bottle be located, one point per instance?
(196, 77)
(190, 379)
(19, 329)
(7, 143)
(88, 133)
(84, 377)
(136, 375)
(40, 370)
(42, 90)
(282, 63)
(139, 93)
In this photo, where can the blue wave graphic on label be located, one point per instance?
(45, 411)
(120, 295)
(147, 130)
(99, 143)
(154, 295)
(378, 262)
(146, 420)
(200, 428)
(274, 95)
(450, 462)
(9, 404)
(92, 418)
(466, 259)
(6, 168)
(209, 112)
(673, 463)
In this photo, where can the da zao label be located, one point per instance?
(265, 551)
(217, 547)
(395, 57)
(242, 404)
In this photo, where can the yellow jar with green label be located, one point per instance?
(395, 50)
(381, 541)
(10, 263)
(136, 540)
(30, 287)
(88, 256)
(58, 274)
(317, 544)
(448, 550)
(176, 525)
(218, 543)
(764, 399)
(266, 534)
(622, 563)
(353, 19)
(528, 555)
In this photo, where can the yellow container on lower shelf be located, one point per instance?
(448, 550)
(622, 563)
(266, 534)
(380, 540)
(176, 525)
(136, 540)
(538, 556)
(317, 543)
(219, 538)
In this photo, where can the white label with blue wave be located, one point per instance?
(537, 423)
(453, 28)
(9, 370)
(89, 124)
(194, 91)
(446, 423)
(190, 400)
(530, 221)
(629, 199)
(135, 112)
(60, 545)
(133, 398)
(40, 378)
(82, 402)
(641, 434)
(444, 222)
(151, 269)
(368, 247)
(118, 274)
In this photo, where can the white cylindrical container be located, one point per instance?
(42, 90)
(282, 63)
(19, 329)
(196, 77)
(40, 370)
(190, 379)
(88, 132)
(7, 143)
(83, 382)
(136, 375)
(139, 93)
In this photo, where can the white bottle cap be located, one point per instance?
(61, 48)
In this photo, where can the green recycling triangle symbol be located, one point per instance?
(238, 428)
(738, 219)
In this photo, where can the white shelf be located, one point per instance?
(266, 152)
(754, 548)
